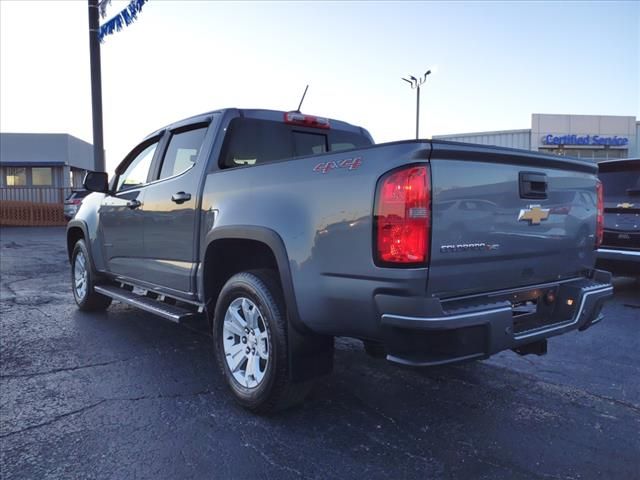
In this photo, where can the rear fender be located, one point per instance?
(310, 354)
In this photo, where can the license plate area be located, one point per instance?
(536, 309)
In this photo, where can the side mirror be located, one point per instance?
(96, 182)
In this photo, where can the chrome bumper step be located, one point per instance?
(164, 310)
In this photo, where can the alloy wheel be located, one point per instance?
(246, 342)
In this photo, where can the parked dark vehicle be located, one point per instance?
(287, 230)
(620, 249)
(73, 201)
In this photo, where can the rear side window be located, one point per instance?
(182, 152)
(251, 141)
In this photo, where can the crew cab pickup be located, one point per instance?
(286, 230)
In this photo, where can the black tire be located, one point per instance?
(91, 300)
(275, 391)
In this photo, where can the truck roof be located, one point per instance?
(263, 114)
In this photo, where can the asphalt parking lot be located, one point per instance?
(127, 395)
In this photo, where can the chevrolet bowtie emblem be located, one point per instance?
(534, 214)
(625, 205)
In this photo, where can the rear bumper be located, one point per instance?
(619, 261)
(478, 331)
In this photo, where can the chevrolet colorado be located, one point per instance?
(286, 230)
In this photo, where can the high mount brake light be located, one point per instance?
(599, 215)
(403, 217)
(297, 118)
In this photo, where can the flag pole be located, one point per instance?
(96, 86)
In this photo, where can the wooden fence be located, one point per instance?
(32, 206)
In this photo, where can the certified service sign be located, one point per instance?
(614, 141)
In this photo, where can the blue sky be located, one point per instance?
(495, 63)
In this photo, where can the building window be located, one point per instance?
(41, 176)
(16, 176)
(76, 177)
(593, 154)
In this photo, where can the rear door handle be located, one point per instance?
(180, 197)
(133, 204)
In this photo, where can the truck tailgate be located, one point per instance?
(504, 219)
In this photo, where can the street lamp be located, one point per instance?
(416, 84)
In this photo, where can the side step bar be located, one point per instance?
(164, 310)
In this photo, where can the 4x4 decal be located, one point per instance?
(348, 163)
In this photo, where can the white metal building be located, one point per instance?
(595, 137)
(43, 160)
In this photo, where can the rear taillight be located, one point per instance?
(599, 214)
(76, 201)
(297, 118)
(402, 217)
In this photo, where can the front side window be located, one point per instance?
(16, 176)
(41, 176)
(182, 152)
(138, 170)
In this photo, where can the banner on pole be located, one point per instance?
(123, 19)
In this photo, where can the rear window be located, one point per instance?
(621, 179)
(78, 194)
(251, 141)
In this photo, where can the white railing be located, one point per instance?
(34, 194)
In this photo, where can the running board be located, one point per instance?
(164, 310)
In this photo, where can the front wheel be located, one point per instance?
(83, 281)
(250, 335)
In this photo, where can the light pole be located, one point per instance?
(416, 84)
(96, 86)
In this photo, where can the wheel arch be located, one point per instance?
(310, 355)
(74, 233)
(78, 230)
(263, 241)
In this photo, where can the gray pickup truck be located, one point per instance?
(286, 230)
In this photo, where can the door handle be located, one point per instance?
(180, 197)
(133, 204)
(533, 185)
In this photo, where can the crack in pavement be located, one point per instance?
(68, 369)
(565, 389)
(9, 286)
(54, 419)
(100, 402)
(267, 458)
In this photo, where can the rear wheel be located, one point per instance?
(250, 335)
(83, 281)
